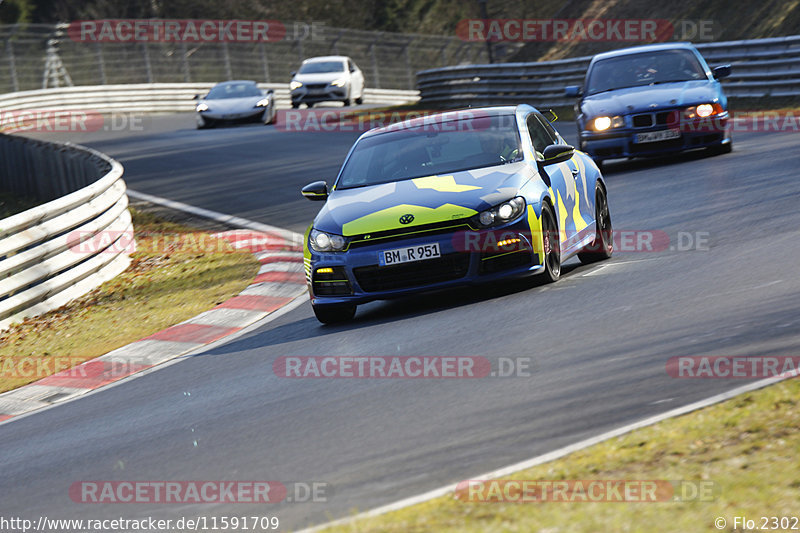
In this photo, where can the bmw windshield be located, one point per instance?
(647, 68)
(432, 147)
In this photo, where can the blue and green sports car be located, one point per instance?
(452, 199)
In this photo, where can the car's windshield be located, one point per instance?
(233, 90)
(432, 148)
(646, 68)
(319, 67)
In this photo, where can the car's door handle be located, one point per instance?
(575, 172)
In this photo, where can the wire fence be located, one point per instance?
(36, 56)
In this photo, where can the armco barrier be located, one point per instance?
(155, 97)
(42, 263)
(761, 68)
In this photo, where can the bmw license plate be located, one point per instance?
(409, 254)
(655, 136)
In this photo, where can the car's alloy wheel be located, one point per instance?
(333, 314)
(603, 245)
(550, 241)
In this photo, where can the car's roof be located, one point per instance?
(231, 82)
(450, 115)
(325, 58)
(644, 48)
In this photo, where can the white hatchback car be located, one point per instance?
(326, 79)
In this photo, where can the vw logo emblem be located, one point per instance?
(407, 219)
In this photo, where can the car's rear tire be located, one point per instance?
(334, 314)
(309, 105)
(603, 245)
(346, 102)
(359, 100)
(551, 244)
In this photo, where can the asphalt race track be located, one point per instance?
(598, 340)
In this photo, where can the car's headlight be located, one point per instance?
(604, 123)
(502, 213)
(339, 83)
(201, 107)
(326, 242)
(703, 110)
(294, 85)
(264, 102)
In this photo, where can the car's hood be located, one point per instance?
(321, 77)
(430, 200)
(232, 105)
(638, 99)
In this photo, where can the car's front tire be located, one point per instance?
(334, 314)
(551, 244)
(295, 105)
(269, 115)
(360, 100)
(603, 245)
(203, 124)
(721, 148)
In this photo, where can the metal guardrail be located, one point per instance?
(761, 68)
(64, 248)
(155, 97)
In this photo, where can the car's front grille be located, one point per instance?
(382, 237)
(403, 276)
(661, 118)
(316, 86)
(643, 121)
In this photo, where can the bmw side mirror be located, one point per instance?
(558, 153)
(722, 71)
(573, 91)
(317, 191)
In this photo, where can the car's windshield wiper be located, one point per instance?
(668, 81)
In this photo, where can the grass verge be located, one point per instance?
(171, 279)
(746, 447)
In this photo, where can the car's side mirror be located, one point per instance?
(196, 97)
(317, 191)
(292, 73)
(269, 92)
(558, 153)
(722, 71)
(573, 90)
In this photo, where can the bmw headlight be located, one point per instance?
(326, 242)
(339, 82)
(604, 123)
(703, 110)
(505, 212)
(295, 85)
(201, 107)
(264, 102)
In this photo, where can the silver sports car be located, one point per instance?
(234, 102)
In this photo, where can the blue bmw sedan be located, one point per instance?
(650, 100)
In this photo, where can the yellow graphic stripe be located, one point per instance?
(389, 219)
(537, 242)
(442, 184)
